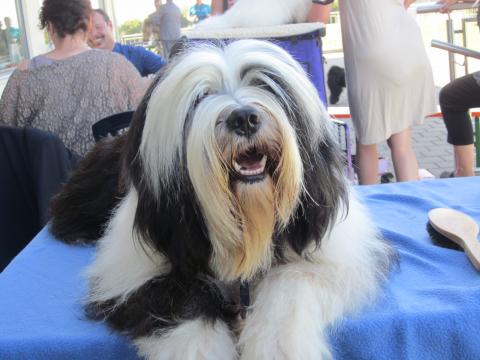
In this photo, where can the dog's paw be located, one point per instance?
(192, 340)
(285, 345)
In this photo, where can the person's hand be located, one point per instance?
(407, 3)
(446, 5)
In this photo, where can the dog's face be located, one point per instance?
(233, 160)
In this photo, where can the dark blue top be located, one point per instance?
(144, 60)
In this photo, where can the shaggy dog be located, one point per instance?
(257, 13)
(230, 174)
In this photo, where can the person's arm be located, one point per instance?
(10, 100)
(147, 30)
(192, 14)
(217, 7)
(151, 62)
(319, 13)
(407, 3)
(446, 5)
(129, 84)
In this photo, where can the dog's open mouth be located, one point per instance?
(250, 165)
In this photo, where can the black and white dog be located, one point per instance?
(230, 174)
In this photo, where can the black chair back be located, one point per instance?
(33, 165)
(111, 125)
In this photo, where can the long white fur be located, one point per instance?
(296, 302)
(192, 340)
(121, 264)
(249, 13)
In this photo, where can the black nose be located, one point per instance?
(243, 121)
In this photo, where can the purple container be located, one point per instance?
(307, 50)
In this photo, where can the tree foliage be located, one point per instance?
(131, 27)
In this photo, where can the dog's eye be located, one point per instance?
(199, 98)
(262, 85)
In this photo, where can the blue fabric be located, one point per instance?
(200, 11)
(430, 308)
(144, 60)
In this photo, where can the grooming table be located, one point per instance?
(302, 41)
(430, 308)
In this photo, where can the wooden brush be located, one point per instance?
(457, 227)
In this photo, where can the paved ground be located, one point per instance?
(429, 139)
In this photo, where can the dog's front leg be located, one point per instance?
(295, 303)
(173, 317)
(292, 306)
(198, 339)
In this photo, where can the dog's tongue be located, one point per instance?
(250, 161)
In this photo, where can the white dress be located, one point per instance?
(389, 77)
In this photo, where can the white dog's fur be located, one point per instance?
(258, 13)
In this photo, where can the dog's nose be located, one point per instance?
(244, 121)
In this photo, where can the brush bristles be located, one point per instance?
(441, 240)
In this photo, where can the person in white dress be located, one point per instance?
(389, 81)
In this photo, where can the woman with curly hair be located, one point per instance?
(68, 89)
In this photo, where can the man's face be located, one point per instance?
(101, 35)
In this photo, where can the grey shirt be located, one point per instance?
(66, 97)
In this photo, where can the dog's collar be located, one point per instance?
(244, 299)
(322, 2)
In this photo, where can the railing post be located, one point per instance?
(464, 40)
(451, 56)
(477, 140)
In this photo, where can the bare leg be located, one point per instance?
(367, 161)
(403, 157)
(464, 160)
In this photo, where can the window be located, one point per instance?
(12, 44)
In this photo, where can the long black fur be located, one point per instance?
(83, 206)
(323, 179)
(164, 302)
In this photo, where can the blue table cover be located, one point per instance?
(430, 308)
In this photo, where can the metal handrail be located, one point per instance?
(435, 7)
(455, 49)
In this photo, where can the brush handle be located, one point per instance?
(469, 244)
(472, 249)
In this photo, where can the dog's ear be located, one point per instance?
(168, 220)
(178, 47)
(324, 196)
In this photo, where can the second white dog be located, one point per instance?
(257, 13)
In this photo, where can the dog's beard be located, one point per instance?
(242, 211)
(257, 209)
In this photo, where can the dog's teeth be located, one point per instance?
(263, 162)
(237, 167)
(243, 171)
(251, 172)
